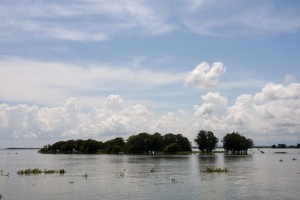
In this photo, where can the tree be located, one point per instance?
(236, 143)
(154, 143)
(172, 149)
(136, 144)
(90, 146)
(206, 141)
(114, 146)
(183, 143)
(168, 139)
(281, 145)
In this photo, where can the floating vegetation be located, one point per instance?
(152, 170)
(215, 170)
(122, 174)
(174, 180)
(39, 171)
(85, 175)
(280, 152)
(1, 173)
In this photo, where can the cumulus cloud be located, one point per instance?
(68, 121)
(114, 101)
(273, 92)
(267, 116)
(204, 76)
(273, 112)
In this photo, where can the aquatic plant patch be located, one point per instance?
(215, 170)
(39, 171)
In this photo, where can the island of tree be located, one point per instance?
(145, 143)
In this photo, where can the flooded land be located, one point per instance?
(262, 174)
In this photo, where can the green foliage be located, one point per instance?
(183, 142)
(71, 146)
(114, 146)
(173, 148)
(39, 171)
(206, 141)
(154, 143)
(143, 143)
(215, 170)
(136, 144)
(236, 143)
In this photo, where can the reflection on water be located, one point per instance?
(238, 158)
(254, 176)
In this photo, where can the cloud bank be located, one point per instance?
(267, 117)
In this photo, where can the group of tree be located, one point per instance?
(143, 143)
(282, 146)
(232, 142)
(74, 146)
(236, 143)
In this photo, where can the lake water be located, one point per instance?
(254, 176)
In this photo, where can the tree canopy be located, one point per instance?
(206, 141)
(236, 143)
(73, 146)
(143, 143)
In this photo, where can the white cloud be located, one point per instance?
(214, 104)
(273, 92)
(114, 102)
(269, 116)
(273, 112)
(231, 18)
(204, 76)
(51, 83)
(101, 20)
(80, 20)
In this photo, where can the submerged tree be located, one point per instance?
(236, 143)
(206, 141)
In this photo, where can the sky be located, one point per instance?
(79, 69)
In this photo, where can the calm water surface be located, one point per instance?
(255, 176)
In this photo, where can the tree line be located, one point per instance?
(282, 146)
(144, 143)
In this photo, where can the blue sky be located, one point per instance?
(104, 69)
